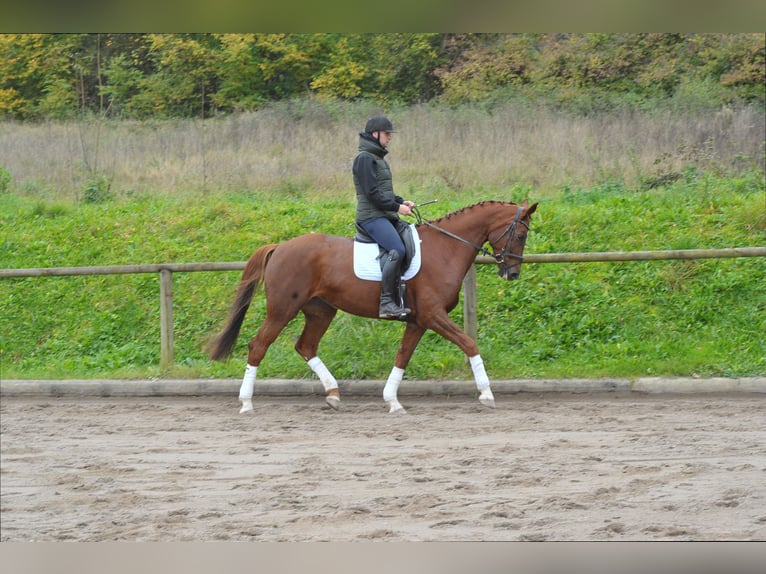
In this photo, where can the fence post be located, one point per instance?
(470, 317)
(166, 318)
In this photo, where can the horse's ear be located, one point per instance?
(531, 209)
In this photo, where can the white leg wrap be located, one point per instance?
(392, 384)
(248, 383)
(479, 373)
(391, 389)
(246, 390)
(324, 374)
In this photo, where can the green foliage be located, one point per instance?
(241, 84)
(501, 63)
(591, 73)
(702, 317)
(96, 190)
(402, 67)
(199, 75)
(122, 84)
(184, 67)
(343, 75)
(5, 179)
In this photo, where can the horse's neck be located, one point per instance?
(467, 226)
(472, 232)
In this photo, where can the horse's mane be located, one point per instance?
(468, 207)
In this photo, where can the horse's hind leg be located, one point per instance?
(318, 316)
(268, 332)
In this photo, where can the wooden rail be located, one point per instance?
(166, 270)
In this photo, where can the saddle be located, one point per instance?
(368, 255)
(404, 230)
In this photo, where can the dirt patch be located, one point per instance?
(548, 466)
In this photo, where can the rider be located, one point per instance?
(378, 208)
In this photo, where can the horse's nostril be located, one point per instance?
(508, 274)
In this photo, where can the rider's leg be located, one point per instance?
(384, 233)
(390, 307)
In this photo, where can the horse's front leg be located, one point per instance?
(444, 326)
(412, 335)
(482, 381)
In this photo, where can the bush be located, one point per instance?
(5, 179)
(97, 190)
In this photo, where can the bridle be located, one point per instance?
(499, 257)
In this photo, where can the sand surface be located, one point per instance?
(542, 466)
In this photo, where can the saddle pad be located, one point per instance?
(367, 265)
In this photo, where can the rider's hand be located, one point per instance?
(405, 209)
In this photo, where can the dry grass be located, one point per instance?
(286, 148)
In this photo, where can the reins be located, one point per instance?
(484, 251)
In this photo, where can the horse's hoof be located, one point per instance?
(333, 401)
(487, 398)
(396, 408)
(247, 406)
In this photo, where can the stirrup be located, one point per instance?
(399, 313)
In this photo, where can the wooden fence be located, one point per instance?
(470, 305)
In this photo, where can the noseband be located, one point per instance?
(510, 230)
(499, 257)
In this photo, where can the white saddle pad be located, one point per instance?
(367, 266)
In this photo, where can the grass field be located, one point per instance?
(599, 190)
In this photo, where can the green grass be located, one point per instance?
(702, 317)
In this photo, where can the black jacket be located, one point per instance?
(373, 182)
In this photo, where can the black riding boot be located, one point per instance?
(390, 308)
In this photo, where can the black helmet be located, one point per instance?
(379, 124)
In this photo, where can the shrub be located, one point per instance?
(97, 190)
(5, 179)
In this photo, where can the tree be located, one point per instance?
(344, 73)
(21, 59)
(41, 74)
(241, 85)
(402, 66)
(183, 79)
(483, 63)
(184, 75)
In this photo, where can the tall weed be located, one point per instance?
(306, 145)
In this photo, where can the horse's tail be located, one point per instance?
(252, 277)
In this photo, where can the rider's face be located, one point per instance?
(385, 138)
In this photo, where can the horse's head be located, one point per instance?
(509, 238)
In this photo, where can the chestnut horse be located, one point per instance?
(313, 274)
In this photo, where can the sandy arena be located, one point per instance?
(542, 466)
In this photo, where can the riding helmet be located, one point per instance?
(379, 124)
